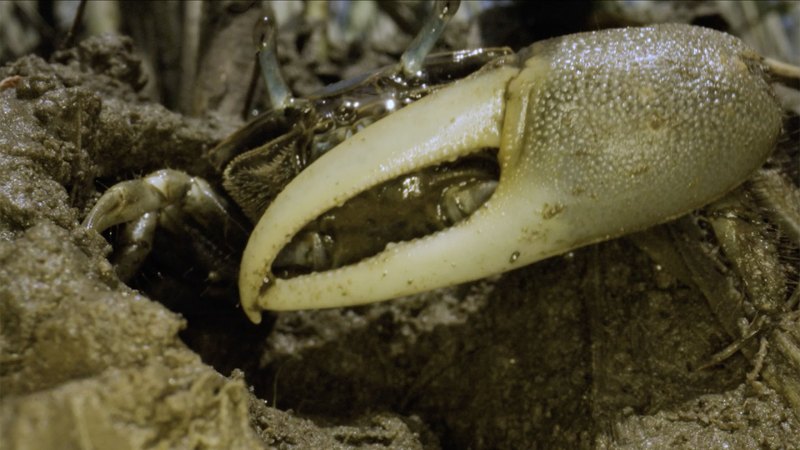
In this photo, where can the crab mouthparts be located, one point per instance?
(440, 128)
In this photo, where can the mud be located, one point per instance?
(86, 361)
(593, 349)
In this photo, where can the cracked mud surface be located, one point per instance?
(590, 350)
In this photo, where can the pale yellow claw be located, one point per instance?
(599, 134)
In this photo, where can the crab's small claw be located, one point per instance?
(599, 134)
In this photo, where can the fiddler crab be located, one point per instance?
(454, 167)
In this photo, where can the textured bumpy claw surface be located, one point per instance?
(599, 134)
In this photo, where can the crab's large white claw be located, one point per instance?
(599, 134)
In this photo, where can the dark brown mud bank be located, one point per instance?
(594, 349)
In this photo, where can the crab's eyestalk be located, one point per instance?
(599, 135)
(414, 56)
(264, 35)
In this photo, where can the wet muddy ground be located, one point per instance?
(598, 348)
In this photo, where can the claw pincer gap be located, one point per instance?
(401, 209)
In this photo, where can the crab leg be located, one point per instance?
(146, 203)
